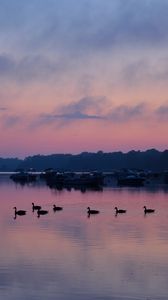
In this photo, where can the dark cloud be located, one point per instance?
(72, 116)
(84, 105)
(91, 108)
(87, 108)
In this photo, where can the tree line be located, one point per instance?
(151, 159)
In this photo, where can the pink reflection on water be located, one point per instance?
(66, 252)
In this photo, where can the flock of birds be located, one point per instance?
(37, 208)
(121, 211)
(41, 211)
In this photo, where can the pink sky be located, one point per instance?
(86, 79)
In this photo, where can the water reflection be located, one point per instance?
(70, 256)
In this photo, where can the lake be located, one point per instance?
(67, 255)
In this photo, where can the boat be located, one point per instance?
(72, 179)
(23, 177)
(132, 181)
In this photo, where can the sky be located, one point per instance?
(84, 75)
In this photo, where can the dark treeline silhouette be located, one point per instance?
(151, 159)
(9, 164)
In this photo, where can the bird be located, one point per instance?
(120, 211)
(35, 207)
(148, 210)
(41, 212)
(57, 208)
(19, 212)
(92, 211)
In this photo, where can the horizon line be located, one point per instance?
(88, 152)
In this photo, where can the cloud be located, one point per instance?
(99, 25)
(85, 104)
(72, 116)
(153, 69)
(10, 121)
(73, 37)
(73, 26)
(92, 108)
(124, 113)
(28, 68)
(87, 108)
(162, 112)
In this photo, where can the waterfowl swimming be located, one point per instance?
(57, 208)
(41, 212)
(92, 211)
(120, 211)
(148, 210)
(19, 212)
(35, 207)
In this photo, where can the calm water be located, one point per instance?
(66, 255)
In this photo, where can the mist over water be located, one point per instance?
(68, 255)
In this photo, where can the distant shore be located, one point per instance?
(152, 159)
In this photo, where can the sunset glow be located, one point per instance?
(83, 75)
